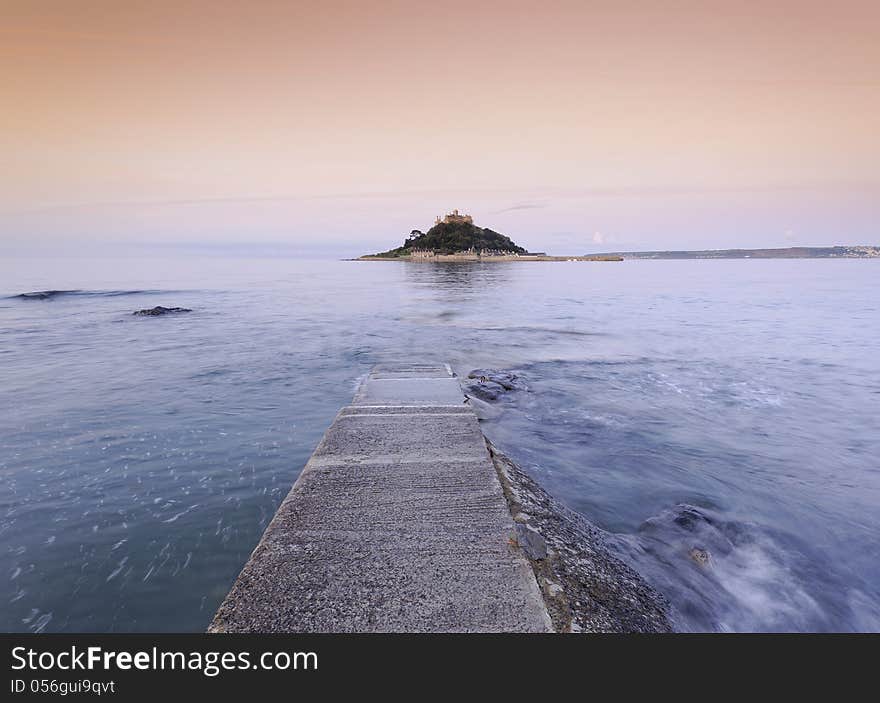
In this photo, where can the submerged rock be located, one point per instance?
(698, 532)
(586, 587)
(690, 518)
(491, 384)
(42, 294)
(159, 310)
(700, 556)
(507, 380)
(485, 390)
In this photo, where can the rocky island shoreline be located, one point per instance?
(455, 237)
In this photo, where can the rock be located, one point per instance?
(491, 384)
(485, 390)
(700, 533)
(700, 556)
(553, 589)
(689, 517)
(531, 541)
(508, 381)
(159, 310)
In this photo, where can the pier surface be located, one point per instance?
(398, 523)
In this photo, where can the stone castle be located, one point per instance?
(454, 217)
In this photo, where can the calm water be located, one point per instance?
(141, 459)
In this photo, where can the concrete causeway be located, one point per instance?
(397, 524)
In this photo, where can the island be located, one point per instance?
(455, 237)
(835, 252)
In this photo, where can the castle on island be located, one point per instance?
(454, 217)
(455, 237)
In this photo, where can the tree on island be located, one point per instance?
(454, 235)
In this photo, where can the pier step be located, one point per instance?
(396, 524)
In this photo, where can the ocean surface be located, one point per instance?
(731, 407)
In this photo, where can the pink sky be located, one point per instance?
(571, 126)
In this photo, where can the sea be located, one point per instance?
(719, 419)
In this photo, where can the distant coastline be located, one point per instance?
(835, 252)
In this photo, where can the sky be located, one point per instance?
(341, 126)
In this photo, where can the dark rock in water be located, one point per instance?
(43, 294)
(490, 384)
(697, 532)
(585, 586)
(159, 310)
(505, 379)
(690, 518)
(485, 390)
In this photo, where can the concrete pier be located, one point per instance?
(398, 523)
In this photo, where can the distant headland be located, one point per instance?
(835, 252)
(455, 237)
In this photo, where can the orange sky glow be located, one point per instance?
(571, 126)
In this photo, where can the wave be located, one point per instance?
(731, 575)
(539, 329)
(52, 294)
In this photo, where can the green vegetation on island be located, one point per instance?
(454, 234)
